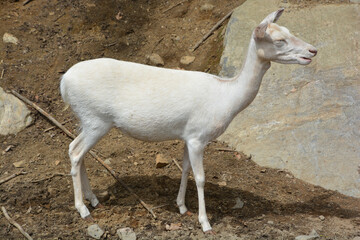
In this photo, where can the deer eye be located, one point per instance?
(280, 42)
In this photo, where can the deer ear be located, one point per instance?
(274, 16)
(260, 31)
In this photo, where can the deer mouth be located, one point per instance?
(306, 59)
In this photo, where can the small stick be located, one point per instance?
(47, 178)
(225, 149)
(26, 2)
(15, 224)
(107, 167)
(216, 26)
(40, 110)
(51, 128)
(12, 176)
(177, 164)
(160, 206)
(110, 44)
(3, 70)
(179, 3)
(61, 15)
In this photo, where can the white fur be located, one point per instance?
(157, 104)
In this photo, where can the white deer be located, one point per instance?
(157, 104)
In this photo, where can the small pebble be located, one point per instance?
(187, 60)
(161, 161)
(126, 234)
(95, 231)
(9, 38)
(156, 60)
(206, 7)
(19, 164)
(239, 204)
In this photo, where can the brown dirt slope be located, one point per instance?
(53, 36)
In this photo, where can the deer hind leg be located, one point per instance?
(89, 136)
(183, 185)
(85, 184)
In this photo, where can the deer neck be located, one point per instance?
(249, 80)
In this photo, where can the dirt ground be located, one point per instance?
(53, 36)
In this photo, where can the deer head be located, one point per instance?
(276, 43)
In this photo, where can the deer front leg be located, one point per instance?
(196, 151)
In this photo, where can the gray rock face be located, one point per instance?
(14, 115)
(305, 118)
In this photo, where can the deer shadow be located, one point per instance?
(160, 190)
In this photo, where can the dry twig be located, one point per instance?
(51, 128)
(225, 149)
(3, 70)
(216, 26)
(107, 167)
(12, 176)
(12, 221)
(163, 205)
(47, 178)
(174, 6)
(26, 2)
(177, 164)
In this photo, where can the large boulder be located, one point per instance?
(14, 115)
(305, 118)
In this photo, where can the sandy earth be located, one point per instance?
(53, 36)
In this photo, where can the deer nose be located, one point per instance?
(313, 51)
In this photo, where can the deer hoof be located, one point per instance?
(89, 219)
(99, 205)
(210, 232)
(188, 213)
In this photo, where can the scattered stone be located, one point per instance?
(311, 236)
(239, 204)
(161, 161)
(206, 7)
(156, 60)
(95, 231)
(222, 183)
(19, 164)
(103, 196)
(322, 218)
(263, 171)
(9, 38)
(289, 176)
(107, 161)
(270, 222)
(8, 148)
(126, 234)
(173, 226)
(52, 191)
(187, 60)
(57, 162)
(29, 210)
